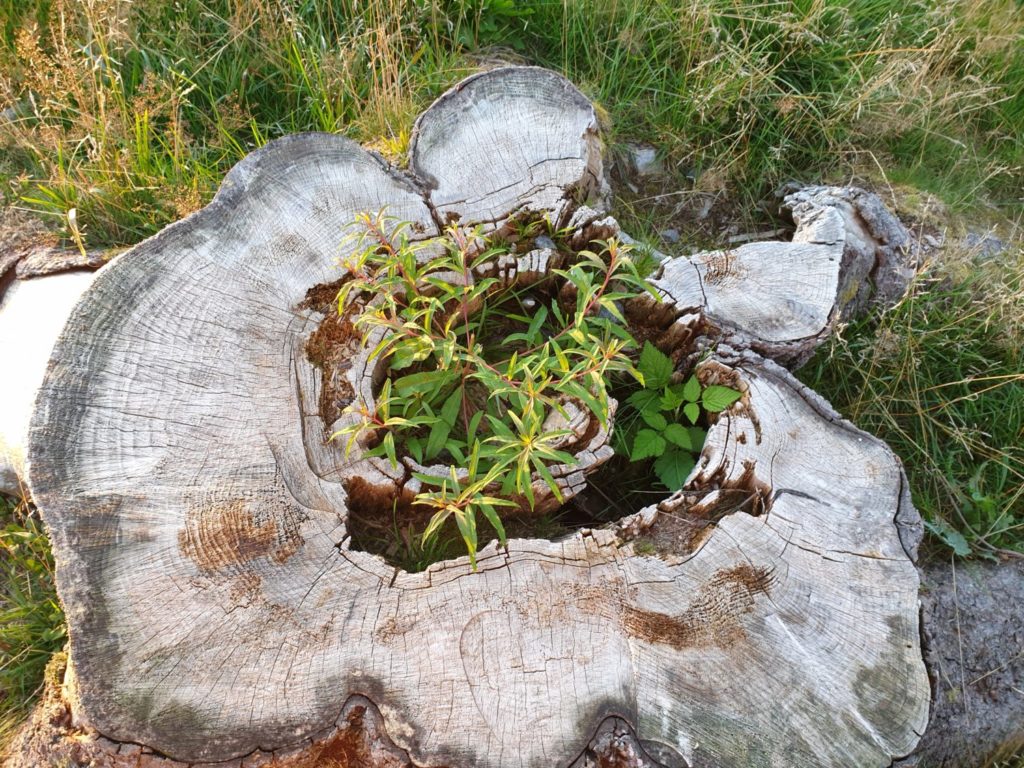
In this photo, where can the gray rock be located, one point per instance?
(543, 241)
(987, 245)
(643, 160)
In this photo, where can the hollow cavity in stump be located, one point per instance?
(599, 485)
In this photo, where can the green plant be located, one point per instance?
(31, 619)
(475, 378)
(939, 378)
(661, 405)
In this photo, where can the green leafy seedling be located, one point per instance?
(473, 379)
(669, 413)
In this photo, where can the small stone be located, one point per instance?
(670, 235)
(987, 245)
(543, 241)
(644, 159)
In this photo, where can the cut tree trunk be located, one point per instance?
(768, 614)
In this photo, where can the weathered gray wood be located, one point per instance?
(198, 514)
(46, 260)
(972, 647)
(879, 255)
(510, 140)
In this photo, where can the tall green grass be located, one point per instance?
(940, 377)
(131, 112)
(31, 619)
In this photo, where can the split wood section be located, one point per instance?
(198, 515)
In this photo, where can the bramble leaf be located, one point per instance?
(673, 467)
(677, 434)
(655, 366)
(717, 398)
(644, 400)
(692, 411)
(691, 389)
(672, 398)
(654, 419)
(647, 443)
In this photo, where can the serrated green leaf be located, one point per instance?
(644, 399)
(654, 419)
(647, 443)
(655, 366)
(691, 390)
(692, 412)
(717, 398)
(679, 435)
(673, 467)
(672, 397)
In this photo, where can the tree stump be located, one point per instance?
(219, 615)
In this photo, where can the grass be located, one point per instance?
(129, 113)
(124, 115)
(940, 377)
(31, 619)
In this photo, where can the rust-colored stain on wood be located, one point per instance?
(218, 536)
(719, 265)
(712, 620)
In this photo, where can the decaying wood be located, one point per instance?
(879, 255)
(496, 145)
(199, 514)
(977, 714)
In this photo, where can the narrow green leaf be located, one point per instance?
(492, 517)
(415, 447)
(434, 525)
(465, 519)
(545, 474)
(450, 409)
(389, 448)
(437, 438)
